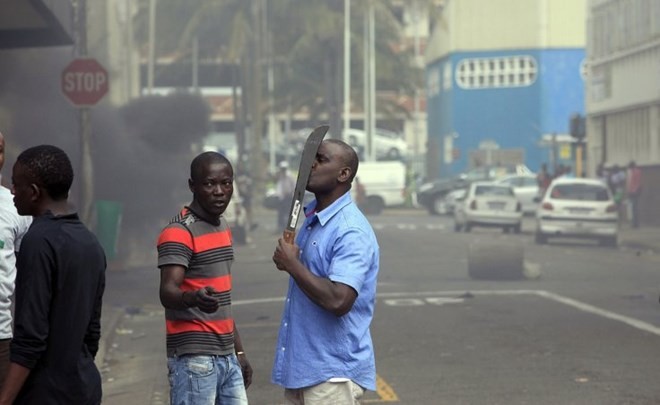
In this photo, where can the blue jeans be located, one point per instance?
(206, 380)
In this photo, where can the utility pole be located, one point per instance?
(347, 67)
(86, 184)
(152, 46)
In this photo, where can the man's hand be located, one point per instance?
(285, 255)
(246, 369)
(206, 299)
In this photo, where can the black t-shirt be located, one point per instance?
(60, 281)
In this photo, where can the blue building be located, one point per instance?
(503, 79)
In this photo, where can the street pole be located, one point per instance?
(365, 86)
(272, 123)
(152, 46)
(347, 67)
(372, 83)
(86, 185)
(195, 64)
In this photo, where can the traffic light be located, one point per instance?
(577, 125)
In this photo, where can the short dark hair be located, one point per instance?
(349, 156)
(203, 159)
(49, 167)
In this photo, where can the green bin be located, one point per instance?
(108, 222)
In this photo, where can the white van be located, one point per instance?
(384, 185)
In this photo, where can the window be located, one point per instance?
(485, 73)
(493, 190)
(580, 192)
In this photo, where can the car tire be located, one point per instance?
(540, 238)
(467, 227)
(457, 227)
(506, 229)
(516, 228)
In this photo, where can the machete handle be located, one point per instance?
(289, 236)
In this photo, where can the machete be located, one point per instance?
(306, 161)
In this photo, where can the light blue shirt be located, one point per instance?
(315, 345)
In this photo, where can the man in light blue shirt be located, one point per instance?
(324, 351)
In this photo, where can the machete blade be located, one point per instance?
(306, 161)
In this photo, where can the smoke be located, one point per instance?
(141, 152)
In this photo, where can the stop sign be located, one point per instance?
(84, 82)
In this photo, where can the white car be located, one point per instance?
(582, 208)
(526, 188)
(453, 198)
(388, 145)
(488, 204)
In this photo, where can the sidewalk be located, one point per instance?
(642, 238)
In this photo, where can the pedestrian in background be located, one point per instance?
(12, 229)
(601, 173)
(543, 179)
(284, 187)
(617, 182)
(633, 191)
(60, 280)
(324, 351)
(205, 357)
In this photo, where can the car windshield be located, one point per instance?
(493, 190)
(581, 192)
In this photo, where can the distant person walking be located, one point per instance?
(60, 279)
(543, 179)
(633, 191)
(284, 188)
(324, 351)
(12, 229)
(205, 357)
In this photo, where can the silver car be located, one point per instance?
(582, 208)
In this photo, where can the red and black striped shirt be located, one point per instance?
(205, 250)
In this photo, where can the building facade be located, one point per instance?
(623, 91)
(502, 78)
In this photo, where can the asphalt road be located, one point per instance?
(584, 329)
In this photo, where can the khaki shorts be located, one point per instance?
(336, 393)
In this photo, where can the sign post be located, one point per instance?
(84, 82)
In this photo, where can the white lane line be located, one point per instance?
(635, 323)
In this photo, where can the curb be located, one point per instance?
(110, 318)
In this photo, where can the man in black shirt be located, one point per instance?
(59, 289)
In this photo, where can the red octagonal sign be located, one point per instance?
(84, 82)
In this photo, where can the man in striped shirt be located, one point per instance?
(195, 255)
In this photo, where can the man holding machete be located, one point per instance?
(324, 351)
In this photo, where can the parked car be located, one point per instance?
(488, 204)
(581, 208)
(453, 198)
(526, 188)
(388, 145)
(431, 195)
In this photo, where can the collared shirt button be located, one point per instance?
(286, 324)
(309, 227)
(283, 348)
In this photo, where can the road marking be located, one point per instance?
(635, 323)
(415, 302)
(384, 391)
